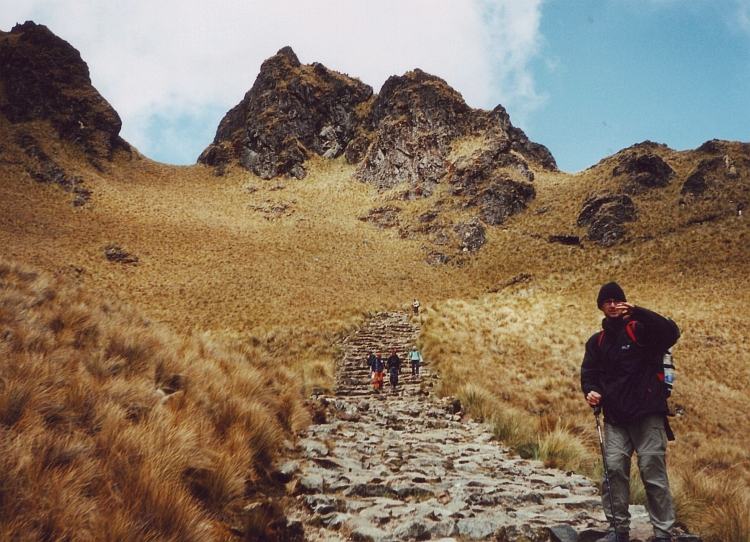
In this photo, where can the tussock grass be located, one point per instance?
(284, 268)
(715, 503)
(114, 428)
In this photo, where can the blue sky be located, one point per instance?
(615, 73)
(586, 78)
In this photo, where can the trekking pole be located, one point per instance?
(597, 410)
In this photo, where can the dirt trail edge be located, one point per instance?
(406, 465)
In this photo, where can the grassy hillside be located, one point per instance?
(115, 428)
(281, 268)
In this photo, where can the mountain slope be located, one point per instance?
(504, 251)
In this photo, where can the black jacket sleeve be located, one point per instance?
(654, 331)
(591, 367)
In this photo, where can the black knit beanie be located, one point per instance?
(611, 290)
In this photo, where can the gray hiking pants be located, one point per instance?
(648, 439)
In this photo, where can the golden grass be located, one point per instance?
(284, 268)
(524, 346)
(114, 428)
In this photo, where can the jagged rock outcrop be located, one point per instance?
(414, 119)
(401, 136)
(605, 215)
(485, 180)
(416, 134)
(417, 117)
(642, 172)
(292, 110)
(44, 78)
(708, 172)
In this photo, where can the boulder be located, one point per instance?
(473, 234)
(642, 172)
(604, 215)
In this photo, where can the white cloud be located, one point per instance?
(153, 59)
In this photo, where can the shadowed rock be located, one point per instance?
(44, 78)
(292, 111)
(604, 216)
(710, 171)
(643, 172)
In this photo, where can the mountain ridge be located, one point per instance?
(505, 256)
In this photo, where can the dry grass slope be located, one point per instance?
(285, 267)
(114, 428)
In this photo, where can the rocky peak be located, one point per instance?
(43, 77)
(426, 100)
(292, 110)
(403, 135)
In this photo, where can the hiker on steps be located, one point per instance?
(416, 359)
(621, 374)
(377, 368)
(371, 364)
(394, 368)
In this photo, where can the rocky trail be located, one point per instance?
(405, 465)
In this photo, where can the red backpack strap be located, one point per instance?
(630, 328)
(601, 338)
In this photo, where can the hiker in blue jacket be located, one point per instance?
(622, 371)
(416, 358)
(371, 363)
(377, 368)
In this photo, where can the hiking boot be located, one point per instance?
(612, 537)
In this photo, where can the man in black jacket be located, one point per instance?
(394, 368)
(622, 371)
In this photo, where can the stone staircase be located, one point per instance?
(383, 333)
(404, 465)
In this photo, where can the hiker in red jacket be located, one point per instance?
(622, 371)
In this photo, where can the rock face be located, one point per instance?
(604, 215)
(417, 118)
(292, 110)
(44, 78)
(414, 119)
(710, 172)
(642, 172)
(402, 136)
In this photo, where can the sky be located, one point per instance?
(586, 78)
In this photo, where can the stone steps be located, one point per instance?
(403, 465)
(382, 334)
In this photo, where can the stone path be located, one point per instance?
(405, 465)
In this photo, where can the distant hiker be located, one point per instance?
(371, 363)
(415, 306)
(622, 372)
(416, 359)
(377, 368)
(394, 368)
